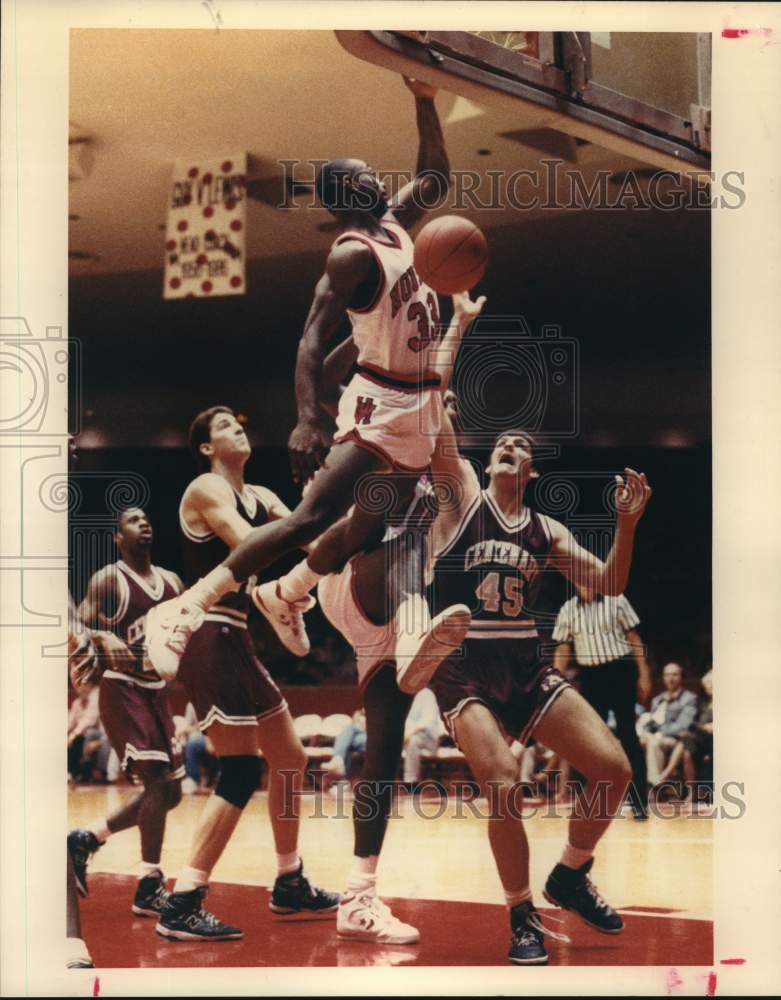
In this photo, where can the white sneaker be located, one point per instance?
(168, 628)
(419, 656)
(363, 917)
(285, 617)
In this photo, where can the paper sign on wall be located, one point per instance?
(204, 240)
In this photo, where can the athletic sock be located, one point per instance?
(76, 951)
(210, 588)
(517, 897)
(288, 863)
(296, 584)
(149, 868)
(191, 878)
(101, 830)
(363, 874)
(576, 857)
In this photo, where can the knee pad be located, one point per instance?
(239, 777)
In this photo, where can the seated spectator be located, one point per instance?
(542, 771)
(421, 734)
(673, 713)
(695, 746)
(352, 739)
(200, 761)
(83, 716)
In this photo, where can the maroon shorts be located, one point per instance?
(224, 679)
(505, 675)
(139, 724)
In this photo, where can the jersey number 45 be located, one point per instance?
(490, 594)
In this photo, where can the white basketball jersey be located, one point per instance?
(400, 328)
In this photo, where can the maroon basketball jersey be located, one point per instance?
(135, 597)
(496, 569)
(202, 552)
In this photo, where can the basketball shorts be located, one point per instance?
(507, 676)
(139, 724)
(373, 644)
(399, 425)
(224, 679)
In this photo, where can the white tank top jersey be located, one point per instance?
(400, 328)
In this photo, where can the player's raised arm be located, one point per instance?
(464, 312)
(432, 174)
(347, 267)
(210, 499)
(582, 567)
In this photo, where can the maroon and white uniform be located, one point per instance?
(373, 644)
(133, 704)
(392, 405)
(223, 678)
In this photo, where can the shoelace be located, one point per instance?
(591, 889)
(534, 920)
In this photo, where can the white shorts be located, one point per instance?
(373, 644)
(399, 425)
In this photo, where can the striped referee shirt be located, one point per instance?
(597, 629)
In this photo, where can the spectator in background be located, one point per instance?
(673, 714)
(613, 669)
(352, 739)
(695, 746)
(200, 762)
(421, 733)
(82, 717)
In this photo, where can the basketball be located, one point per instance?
(450, 254)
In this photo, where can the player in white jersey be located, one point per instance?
(391, 411)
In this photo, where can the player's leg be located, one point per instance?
(496, 771)
(183, 917)
(572, 728)
(286, 758)
(362, 915)
(169, 625)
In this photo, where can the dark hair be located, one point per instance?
(330, 185)
(123, 514)
(200, 433)
(519, 432)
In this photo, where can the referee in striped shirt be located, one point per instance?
(614, 672)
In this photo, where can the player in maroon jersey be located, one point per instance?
(492, 553)
(389, 416)
(134, 708)
(234, 697)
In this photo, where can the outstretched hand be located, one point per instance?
(632, 496)
(419, 88)
(465, 309)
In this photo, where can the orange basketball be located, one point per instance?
(450, 254)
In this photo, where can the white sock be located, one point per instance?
(412, 616)
(576, 857)
(210, 588)
(150, 868)
(191, 878)
(516, 898)
(76, 951)
(288, 862)
(296, 584)
(363, 874)
(101, 830)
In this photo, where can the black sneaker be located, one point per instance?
(292, 893)
(82, 844)
(526, 946)
(151, 896)
(80, 963)
(572, 889)
(183, 919)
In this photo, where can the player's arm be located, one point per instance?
(432, 174)
(444, 358)
(562, 654)
(110, 652)
(335, 369)
(102, 598)
(644, 682)
(457, 484)
(582, 567)
(348, 265)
